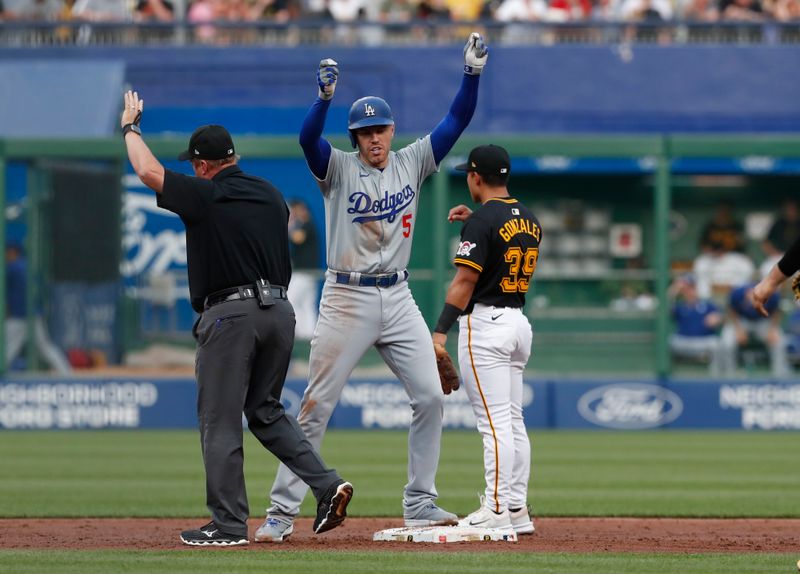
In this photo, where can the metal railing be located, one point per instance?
(224, 33)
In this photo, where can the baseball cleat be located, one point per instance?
(432, 515)
(332, 507)
(210, 535)
(486, 518)
(521, 521)
(275, 529)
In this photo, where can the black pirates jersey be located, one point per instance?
(501, 241)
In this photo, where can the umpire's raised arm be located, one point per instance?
(144, 163)
(445, 135)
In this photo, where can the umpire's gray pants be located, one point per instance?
(243, 354)
(351, 320)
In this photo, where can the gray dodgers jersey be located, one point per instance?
(370, 215)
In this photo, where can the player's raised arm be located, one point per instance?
(444, 135)
(316, 148)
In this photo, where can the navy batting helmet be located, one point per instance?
(368, 111)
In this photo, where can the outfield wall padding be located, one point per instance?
(383, 404)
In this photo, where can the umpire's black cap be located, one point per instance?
(209, 142)
(487, 159)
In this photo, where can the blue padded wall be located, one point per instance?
(562, 88)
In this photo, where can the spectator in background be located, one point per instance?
(304, 285)
(606, 11)
(346, 10)
(101, 10)
(396, 11)
(433, 10)
(17, 317)
(724, 229)
(781, 234)
(647, 10)
(746, 323)
(742, 10)
(49, 10)
(697, 322)
(787, 10)
(154, 11)
(717, 271)
(202, 12)
(282, 11)
(465, 10)
(700, 11)
(648, 14)
(316, 10)
(569, 10)
(520, 11)
(793, 336)
(784, 230)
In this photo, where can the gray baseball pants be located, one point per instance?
(351, 320)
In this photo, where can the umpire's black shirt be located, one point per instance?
(236, 230)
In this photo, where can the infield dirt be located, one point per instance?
(552, 535)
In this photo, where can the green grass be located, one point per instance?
(149, 473)
(288, 562)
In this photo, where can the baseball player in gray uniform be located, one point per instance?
(371, 197)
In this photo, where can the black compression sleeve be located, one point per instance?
(790, 262)
(450, 314)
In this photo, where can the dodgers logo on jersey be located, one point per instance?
(387, 207)
(465, 247)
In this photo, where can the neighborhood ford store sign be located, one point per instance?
(76, 403)
(630, 406)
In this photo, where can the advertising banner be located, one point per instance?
(383, 404)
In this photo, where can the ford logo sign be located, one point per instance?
(630, 406)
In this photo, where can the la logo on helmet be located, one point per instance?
(369, 110)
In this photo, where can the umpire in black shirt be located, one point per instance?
(238, 264)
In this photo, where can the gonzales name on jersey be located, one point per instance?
(501, 241)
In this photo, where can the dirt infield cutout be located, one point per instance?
(552, 535)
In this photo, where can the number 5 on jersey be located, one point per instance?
(521, 266)
(407, 225)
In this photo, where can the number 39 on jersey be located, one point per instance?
(521, 265)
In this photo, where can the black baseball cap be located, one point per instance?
(488, 159)
(209, 142)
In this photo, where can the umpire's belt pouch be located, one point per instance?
(264, 294)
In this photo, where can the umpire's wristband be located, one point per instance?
(450, 314)
(127, 128)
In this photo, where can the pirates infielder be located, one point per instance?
(371, 197)
(495, 262)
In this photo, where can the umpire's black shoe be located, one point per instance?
(210, 535)
(332, 507)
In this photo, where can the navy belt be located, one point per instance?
(364, 280)
(239, 293)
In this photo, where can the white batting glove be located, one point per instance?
(475, 54)
(327, 75)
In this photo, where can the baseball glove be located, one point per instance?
(796, 287)
(448, 375)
